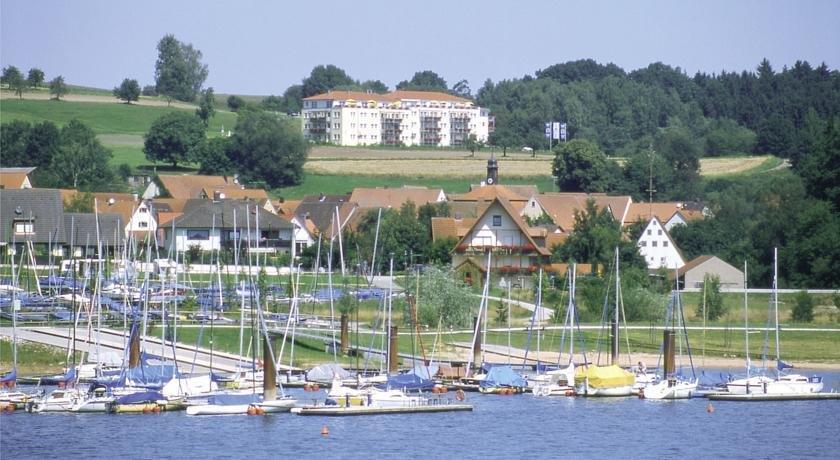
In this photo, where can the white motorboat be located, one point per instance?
(785, 384)
(61, 400)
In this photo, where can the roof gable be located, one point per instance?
(515, 218)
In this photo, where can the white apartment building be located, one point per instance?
(396, 118)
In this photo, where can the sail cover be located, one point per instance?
(408, 382)
(503, 376)
(604, 376)
(326, 373)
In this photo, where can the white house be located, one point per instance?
(657, 247)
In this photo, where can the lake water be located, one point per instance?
(520, 426)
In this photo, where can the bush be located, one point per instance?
(715, 307)
(803, 308)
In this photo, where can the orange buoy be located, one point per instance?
(147, 409)
(156, 409)
(324, 430)
(435, 390)
(252, 410)
(710, 408)
(316, 387)
(307, 387)
(460, 395)
(570, 392)
(444, 389)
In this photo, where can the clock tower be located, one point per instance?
(492, 170)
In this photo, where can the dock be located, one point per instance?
(774, 397)
(372, 410)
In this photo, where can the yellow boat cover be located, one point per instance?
(604, 376)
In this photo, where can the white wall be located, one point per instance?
(657, 247)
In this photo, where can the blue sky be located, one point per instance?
(262, 47)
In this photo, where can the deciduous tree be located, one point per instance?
(58, 88)
(129, 90)
(206, 106)
(179, 72)
(269, 149)
(580, 166)
(172, 137)
(35, 78)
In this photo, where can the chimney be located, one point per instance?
(217, 196)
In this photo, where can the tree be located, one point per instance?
(425, 80)
(324, 78)
(715, 308)
(79, 202)
(803, 308)
(58, 88)
(580, 166)
(268, 149)
(179, 73)
(213, 158)
(14, 140)
(206, 106)
(444, 299)
(129, 90)
(15, 80)
(273, 103)
(172, 137)
(149, 90)
(235, 103)
(472, 144)
(35, 78)
(374, 86)
(462, 88)
(683, 157)
(81, 161)
(43, 144)
(821, 169)
(293, 99)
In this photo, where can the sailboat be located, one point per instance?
(561, 382)
(10, 399)
(672, 385)
(783, 383)
(612, 380)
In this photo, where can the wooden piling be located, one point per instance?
(393, 359)
(269, 371)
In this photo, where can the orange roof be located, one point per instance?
(287, 207)
(105, 196)
(561, 207)
(642, 211)
(125, 209)
(185, 186)
(425, 96)
(236, 192)
(339, 95)
(166, 217)
(173, 204)
(12, 179)
(394, 197)
(490, 193)
(449, 227)
(399, 95)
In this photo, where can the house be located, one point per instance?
(184, 186)
(85, 240)
(657, 247)
(669, 214)
(15, 178)
(318, 213)
(515, 247)
(213, 225)
(372, 198)
(561, 207)
(238, 192)
(694, 272)
(32, 217)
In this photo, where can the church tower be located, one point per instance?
(492, 170)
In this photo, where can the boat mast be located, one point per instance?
(571, 313)
(746, 324)
(776, 304)
(615, 325)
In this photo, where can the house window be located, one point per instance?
(143, 224)
(649, 232)
(24, 228)
(195, 235)
(143, 209)
(653, 243)
(497, 221)
(664, 244)
(660, 232)
(643, 244)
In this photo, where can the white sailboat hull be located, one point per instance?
(278, 405)
(670, 389)
(218, 409)
(626, 390)
(787, 384)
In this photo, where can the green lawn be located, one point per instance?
(103, 118)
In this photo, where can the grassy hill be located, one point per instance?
(121, 127)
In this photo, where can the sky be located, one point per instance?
(262, 47)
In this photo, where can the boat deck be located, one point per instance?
(368, 410)
(773, 397)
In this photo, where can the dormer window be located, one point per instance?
(497, 221)
(26, 227)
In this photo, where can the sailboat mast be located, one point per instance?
(776, 302)
(571, 313)
(615, 325)
(746, 324)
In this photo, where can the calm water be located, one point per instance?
(519, 426)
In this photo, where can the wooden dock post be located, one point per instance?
(345, 333)
(393, 358)
(269, 371)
